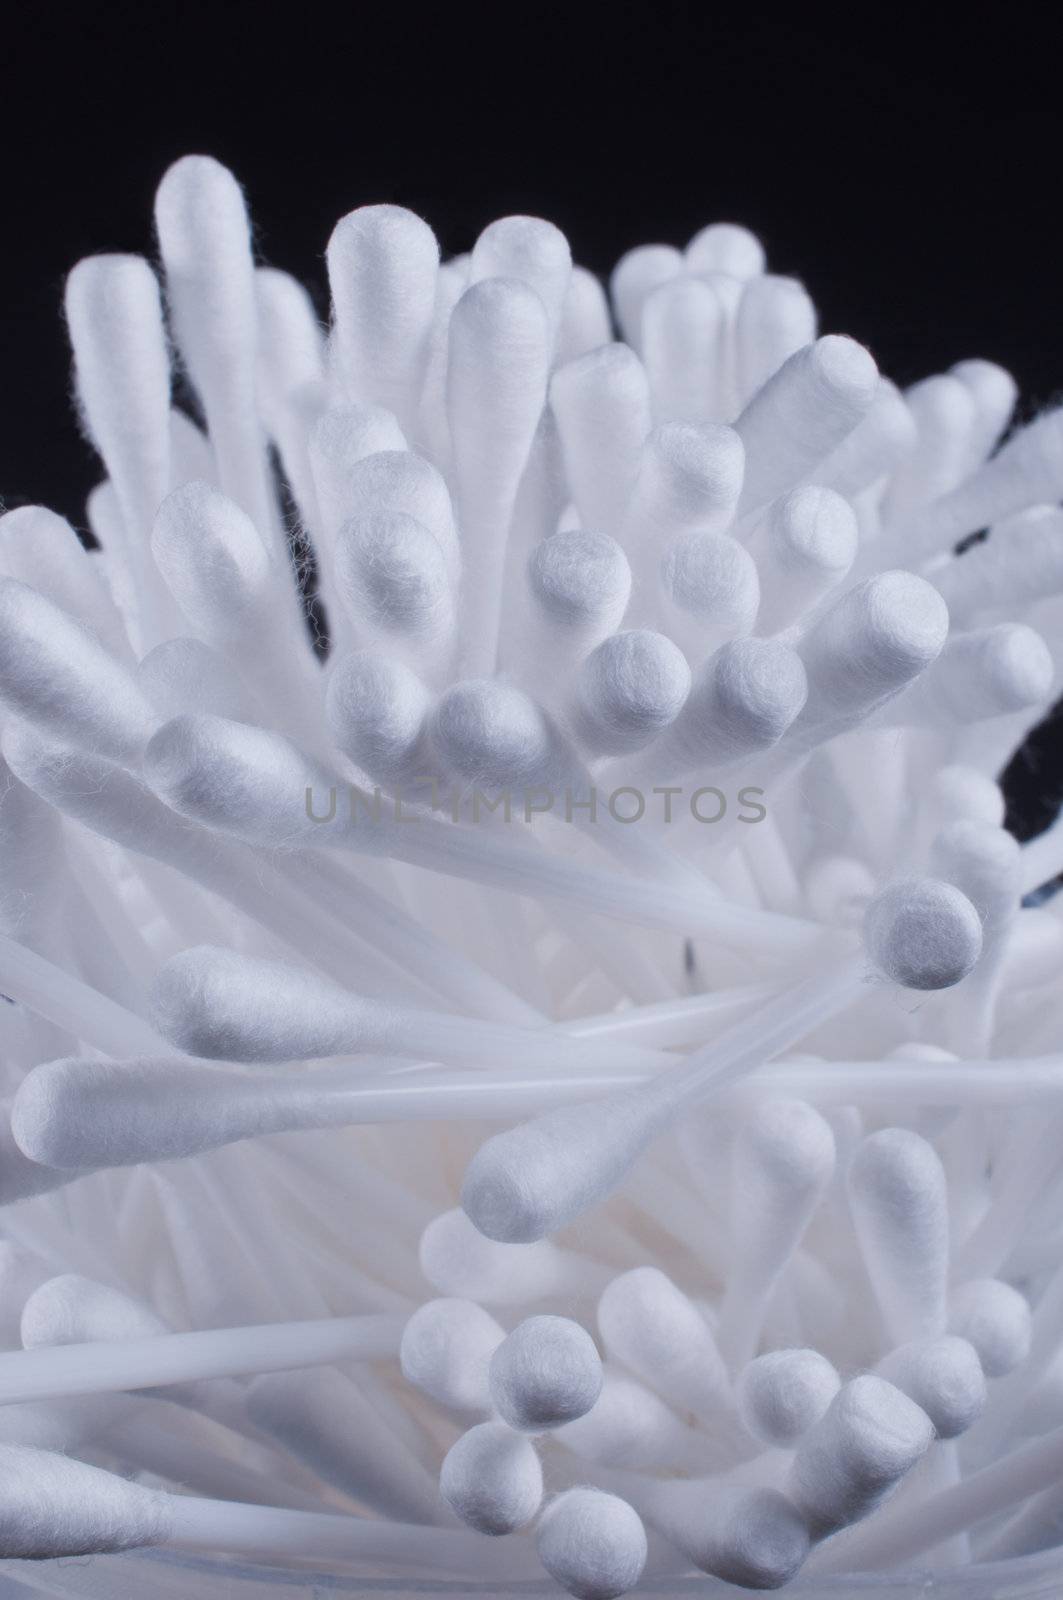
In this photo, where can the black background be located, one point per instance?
(905, 165)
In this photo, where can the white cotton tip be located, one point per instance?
(377, 710)
(802, 413)
(784, 1393)
(985, 863)
(942, 409)
(944, 1376)
(653, 1329)
(546, 1372)
(1026, 471)
(806, 546)
(491, 1479)
(290, 345)
(601, 403)
(872, 642)
(585, 319)
(743, 700)
(684, 340)
(42, 550)
(214, 562)
(383, 262)
(629, 690)
(1019, 565)
(899, 1203)
(399, 480)
(52, 1506)
(491, 735)
(1033, 954)
(340, 440)
(71, 1309)
(533, 252)
(392, 575)
(56, 674)
(690, 477)
(592, 1544)
(994, 392)
(838, 890)
(776, 317)
(580, 583)
(457, 1260)
(204, 238)
(725, 247)
(114, 314)
(753, 1537)
(233, 777)
(446, 1351)
(959, 791)
(634, 278)
(870, 1436)
(21, 1272)
(225, 1006)
(629, 1427)
(712, 581)
(184, 674)
(992, 672)
(923, 934)
(996, 1320)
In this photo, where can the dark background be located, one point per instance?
(909, 175)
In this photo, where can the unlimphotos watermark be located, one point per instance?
(665, 803)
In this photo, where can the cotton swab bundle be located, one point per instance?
(556, 1045)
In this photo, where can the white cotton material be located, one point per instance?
(383, 262)
(291, 351)
(944, 1376)
(491, 1479)
(1033, 954)
(458, 1260)
(1026, 471)
(340, 440)
(985, 863)
(492, 736)
(71, 1309)
(530, 251)
(899, 1203)
(994, 392)
(58, 676)
(690, 478)
(114, 314)
(42, 551)
(870, 1436)
(776, 318)
(839, 890)
(631, 1427)
(650, 1327)
(959, 791)
(868, 646)
(1019, 564)
(447, 1348)
(989, 672)
(601, 402)
(593, 1544)
(628, 691)
(585, 320)
(377, 710)
(545, 1373)
(782, 1160)
(783, 1393)
(399, 480)
(802, 413)
(742, 701)
(725, 247)
(580, 584)
(804, 547)
(943, 411)
(392, 575)
(634, 279)
(185, 675)
(215, 564)
(21, 1272)
(191, 455)
(684, 340)
(752, 1537)
(53, 1506)
(923, 934)
(996, 1319)
(876, 447)
(711, 590)
(321, 1416)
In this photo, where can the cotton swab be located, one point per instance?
(752, 1537)
(629, 690)
(545, 1373)
(447, 1349)
(592, 1544)
(526, 1183)
(804, 547)
(634, 278)
(457, 1260)
(652, 1329)
(995, 1318)
(783, 1393)
(602, 405)
(944, 1377)
(492, 1480)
